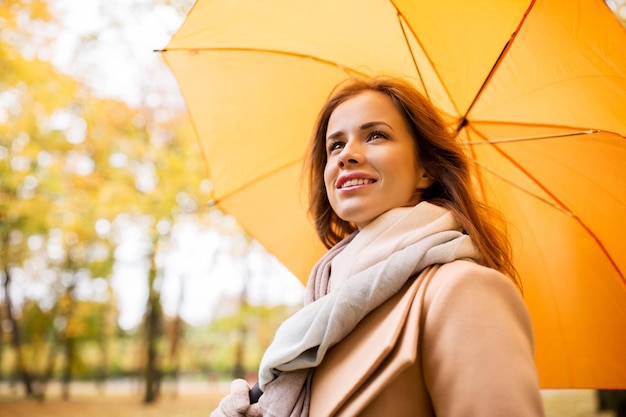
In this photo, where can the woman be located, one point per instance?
(411, 248)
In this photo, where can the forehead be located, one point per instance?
(365, 106)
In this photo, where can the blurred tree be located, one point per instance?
(224, 335)
(37, 325)
(70, 163)
(242, 331)
(23, 184)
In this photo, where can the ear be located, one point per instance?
(424, 181)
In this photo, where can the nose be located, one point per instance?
(350, 155)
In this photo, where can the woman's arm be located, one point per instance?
(477, 345)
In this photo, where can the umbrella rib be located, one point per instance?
(546, 125)
(463, 121)
(529, 138)
(558, 206)
(254, 180)
(408, 45)
(514, 185)
(401, 19)
(348, 70)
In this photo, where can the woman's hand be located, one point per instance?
(237, 403)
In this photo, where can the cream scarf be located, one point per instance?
(368, 267)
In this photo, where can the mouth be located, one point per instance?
(354, 182)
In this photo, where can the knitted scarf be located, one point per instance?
(363, 271)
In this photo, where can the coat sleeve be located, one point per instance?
(477, 345)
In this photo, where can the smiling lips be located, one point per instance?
(354, 182)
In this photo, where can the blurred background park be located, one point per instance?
(123, 291)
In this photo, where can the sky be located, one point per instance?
(122, 62)
(202, 264)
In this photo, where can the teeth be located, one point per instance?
(359, 181)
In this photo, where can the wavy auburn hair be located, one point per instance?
(442, 157)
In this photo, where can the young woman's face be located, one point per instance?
(372, 165)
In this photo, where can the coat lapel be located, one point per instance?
(382, 345)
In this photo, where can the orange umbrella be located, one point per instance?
(536, 89)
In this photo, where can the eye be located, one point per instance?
(377, 134)
(335, 145)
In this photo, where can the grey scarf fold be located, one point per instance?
(363, 271)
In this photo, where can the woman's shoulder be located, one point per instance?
(470, 288)
(462, 273)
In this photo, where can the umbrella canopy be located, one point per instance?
(535, 89)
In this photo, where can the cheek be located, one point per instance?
(411, 172)
(328, 175)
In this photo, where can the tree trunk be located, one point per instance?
(70, 346)
(153, 331)
(239, 370)
(49, 369)
(101, 376)
(21, 369)
(175, 352)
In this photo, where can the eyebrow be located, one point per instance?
(364, 126)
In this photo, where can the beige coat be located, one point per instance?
(456, 342)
